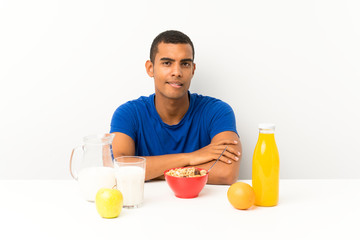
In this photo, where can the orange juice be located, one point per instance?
(265, 168)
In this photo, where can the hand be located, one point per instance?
(212, 152)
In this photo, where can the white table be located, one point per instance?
(308, 209)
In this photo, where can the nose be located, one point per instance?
(176, 70)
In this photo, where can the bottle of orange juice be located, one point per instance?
(265, 167)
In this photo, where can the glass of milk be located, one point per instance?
(130, 178)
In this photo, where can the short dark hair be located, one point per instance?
(170, 36)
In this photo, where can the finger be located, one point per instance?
(221, 154)
(225, 159)
(231, 156)
(225, 156)
(230, 149)
(233, 150)
(217, 150)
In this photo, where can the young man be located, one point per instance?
(173, 128)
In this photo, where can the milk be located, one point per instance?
(130, 181)
(93, 178)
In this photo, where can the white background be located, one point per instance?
(65, 66)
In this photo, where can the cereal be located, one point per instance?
(186, 172)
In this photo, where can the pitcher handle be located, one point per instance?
(73, 173)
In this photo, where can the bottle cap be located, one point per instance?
(267, 126)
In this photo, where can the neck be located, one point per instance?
(171, 111)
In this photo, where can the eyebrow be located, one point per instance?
(173, 60)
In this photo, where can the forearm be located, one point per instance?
(224, 172)
(221, 174)
(156, 165)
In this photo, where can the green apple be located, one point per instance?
(109, 202)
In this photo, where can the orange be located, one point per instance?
(241, 195)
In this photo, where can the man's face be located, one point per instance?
(173, 69)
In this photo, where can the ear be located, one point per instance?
(194, 68)
(149, 68)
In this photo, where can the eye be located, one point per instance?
(186, 64)
(166, 63)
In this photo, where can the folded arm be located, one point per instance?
(226, 171)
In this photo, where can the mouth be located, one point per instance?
(175, 84)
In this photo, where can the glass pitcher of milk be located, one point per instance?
(91, 164)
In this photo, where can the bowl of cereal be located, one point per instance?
(186, 182)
